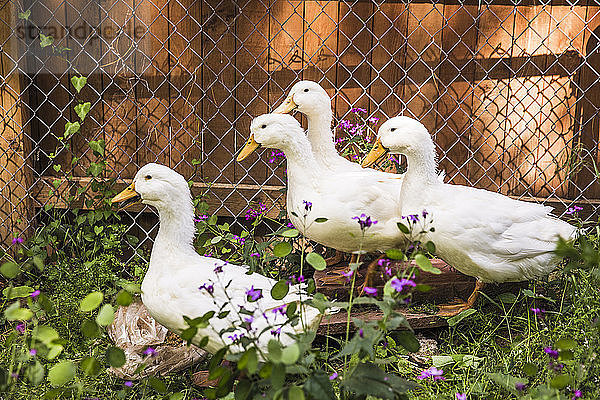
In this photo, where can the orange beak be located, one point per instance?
(375, 154)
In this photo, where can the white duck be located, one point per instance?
(482, 234)
(339, 197)
(180, 282)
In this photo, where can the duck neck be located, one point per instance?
(421, 173)
(302, 166)
(177, 229)
(321, 136)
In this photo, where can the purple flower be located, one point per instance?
(411, 218)
(556, 367)
(374, 120)
(17, 240)
(280, 309)
(571, 211)
(345, 124)
(432, 372)
(235, 337)
(520, 386)
(274, 156)
(357, 110)
(255, 255)
(290, 225)
(361, 333)
(424, 213)
(576, 394)
(340, 140)
(301, 279)
(307, 205)
(551, 353)
(399, 284)
(128, 383)
(383, 262)
(276, 332)
(461, 396)
(35, 294)
(200, 218)
(150, 352)
(210, 289)
(33, 352)
(254, 294)
(251, 213)
(333, 376)
(218, 269)
(537, 311)
(20, 328)
(371, 291)
(14, 375)
(364, 221)
(249, 319)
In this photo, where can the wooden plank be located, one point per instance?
(588, 104)
(218, 83)
(456, 76)
(119, 105)
(525, 102)
(83, 18)
(354, 49)
(285, 62)
(557, 116)
(486, 168)
(152, 91)
(320, 41)
(252, 90)
(389, 51)
(185, 77)
(16, 209)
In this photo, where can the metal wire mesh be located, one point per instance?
(509, 89)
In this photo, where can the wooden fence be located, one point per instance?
(511, 92)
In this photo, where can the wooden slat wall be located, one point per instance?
(497, 85)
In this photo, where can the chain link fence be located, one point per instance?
(510, 90)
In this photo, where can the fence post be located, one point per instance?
(16, 207)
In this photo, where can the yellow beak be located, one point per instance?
(126, 194)
(287, 106)
(250, 146)
(375, 154)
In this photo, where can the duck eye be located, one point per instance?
(305, 90)
(264, 126)
(392, 130)
(148, 177)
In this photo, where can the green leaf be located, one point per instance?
(178, 396)
(189, 333)
(430, 246)
(561, 381)
(115, 357)
(507, 298)
(316, 261)
(89, 329)
(90, 366)
(290, 354)
(249, 361)
(425, 265)
(442, 361)
(403, 228)
(295, 393)
(35, 373)
(82, 110)
(290, 233)
(97, 146)
(318, 386)
(321, 220)
(282, 249)
(10, 270)
(61, 373)
(17, 291)
(24, 15)
(280, 290)
(124, 298)
(367, 379)
(453, 321)
(394, 254)
(45, 41)
(78, 82)
(565, 344)
(216, 239)
(106, 315)
(275, 352)
(242, 389)
(15, 313)
(506, 381)
(71, 128)
(45, 334)
(530, 369)
(91, 301)
(157, 384)
(407, 340)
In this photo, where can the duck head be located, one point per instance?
(400, 135)
(307, 97)
(277, 131)
(158, 186)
